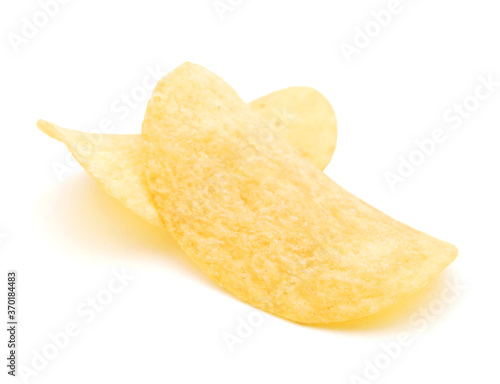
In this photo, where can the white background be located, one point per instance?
(64, 236)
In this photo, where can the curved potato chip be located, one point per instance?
(306, 119)
(301, 114)
(265, 223)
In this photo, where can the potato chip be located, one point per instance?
(306, 119)
(114, 161)
(301, 114)
(263, 221)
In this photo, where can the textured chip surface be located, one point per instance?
(264, 222)
(305, 118)
(300, 114)
(115, 162)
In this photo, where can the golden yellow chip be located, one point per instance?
(262, 221)
(305, 118)
(301, 114)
